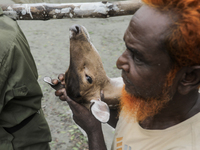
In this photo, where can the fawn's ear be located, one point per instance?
(100, 110)
(190, 80)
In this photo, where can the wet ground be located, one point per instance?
(49, 43)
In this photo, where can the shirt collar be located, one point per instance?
(1, 11)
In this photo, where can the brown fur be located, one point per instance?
(85, 61)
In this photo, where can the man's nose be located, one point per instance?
(122, 62)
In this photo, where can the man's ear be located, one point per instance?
(190, 80)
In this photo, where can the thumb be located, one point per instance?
(72, 104)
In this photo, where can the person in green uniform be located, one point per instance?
(22, 123)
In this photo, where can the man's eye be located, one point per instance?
(89, 79)
(137, 59)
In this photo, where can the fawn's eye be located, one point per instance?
(89, 79)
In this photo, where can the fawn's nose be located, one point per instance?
(75, 29)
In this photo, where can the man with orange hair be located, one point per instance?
(160, 101)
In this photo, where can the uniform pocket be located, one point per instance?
(20, 91)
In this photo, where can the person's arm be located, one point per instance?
(4, 74)
(84, 118)
(114, 117)
(96, 141)
(5, 69)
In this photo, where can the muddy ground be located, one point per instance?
(49, 43)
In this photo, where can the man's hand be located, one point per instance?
(83, 117)
(59, 92)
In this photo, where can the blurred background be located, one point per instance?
(54, 1)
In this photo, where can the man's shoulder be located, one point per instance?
(9, 33)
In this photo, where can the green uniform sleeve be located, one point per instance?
(5, 68)
(20, 93)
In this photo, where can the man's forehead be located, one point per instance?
(150, 21)
(145, 34)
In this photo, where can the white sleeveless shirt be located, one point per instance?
(129, 135)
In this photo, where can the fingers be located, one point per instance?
(61, 77)
(58, 83)
(55, 81)
(61, 95)
(62, 98)
(60, 92)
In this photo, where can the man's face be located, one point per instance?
(145, 65)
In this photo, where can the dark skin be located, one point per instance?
(144, 67)
(84, 119)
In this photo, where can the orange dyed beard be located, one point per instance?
(139, 108)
